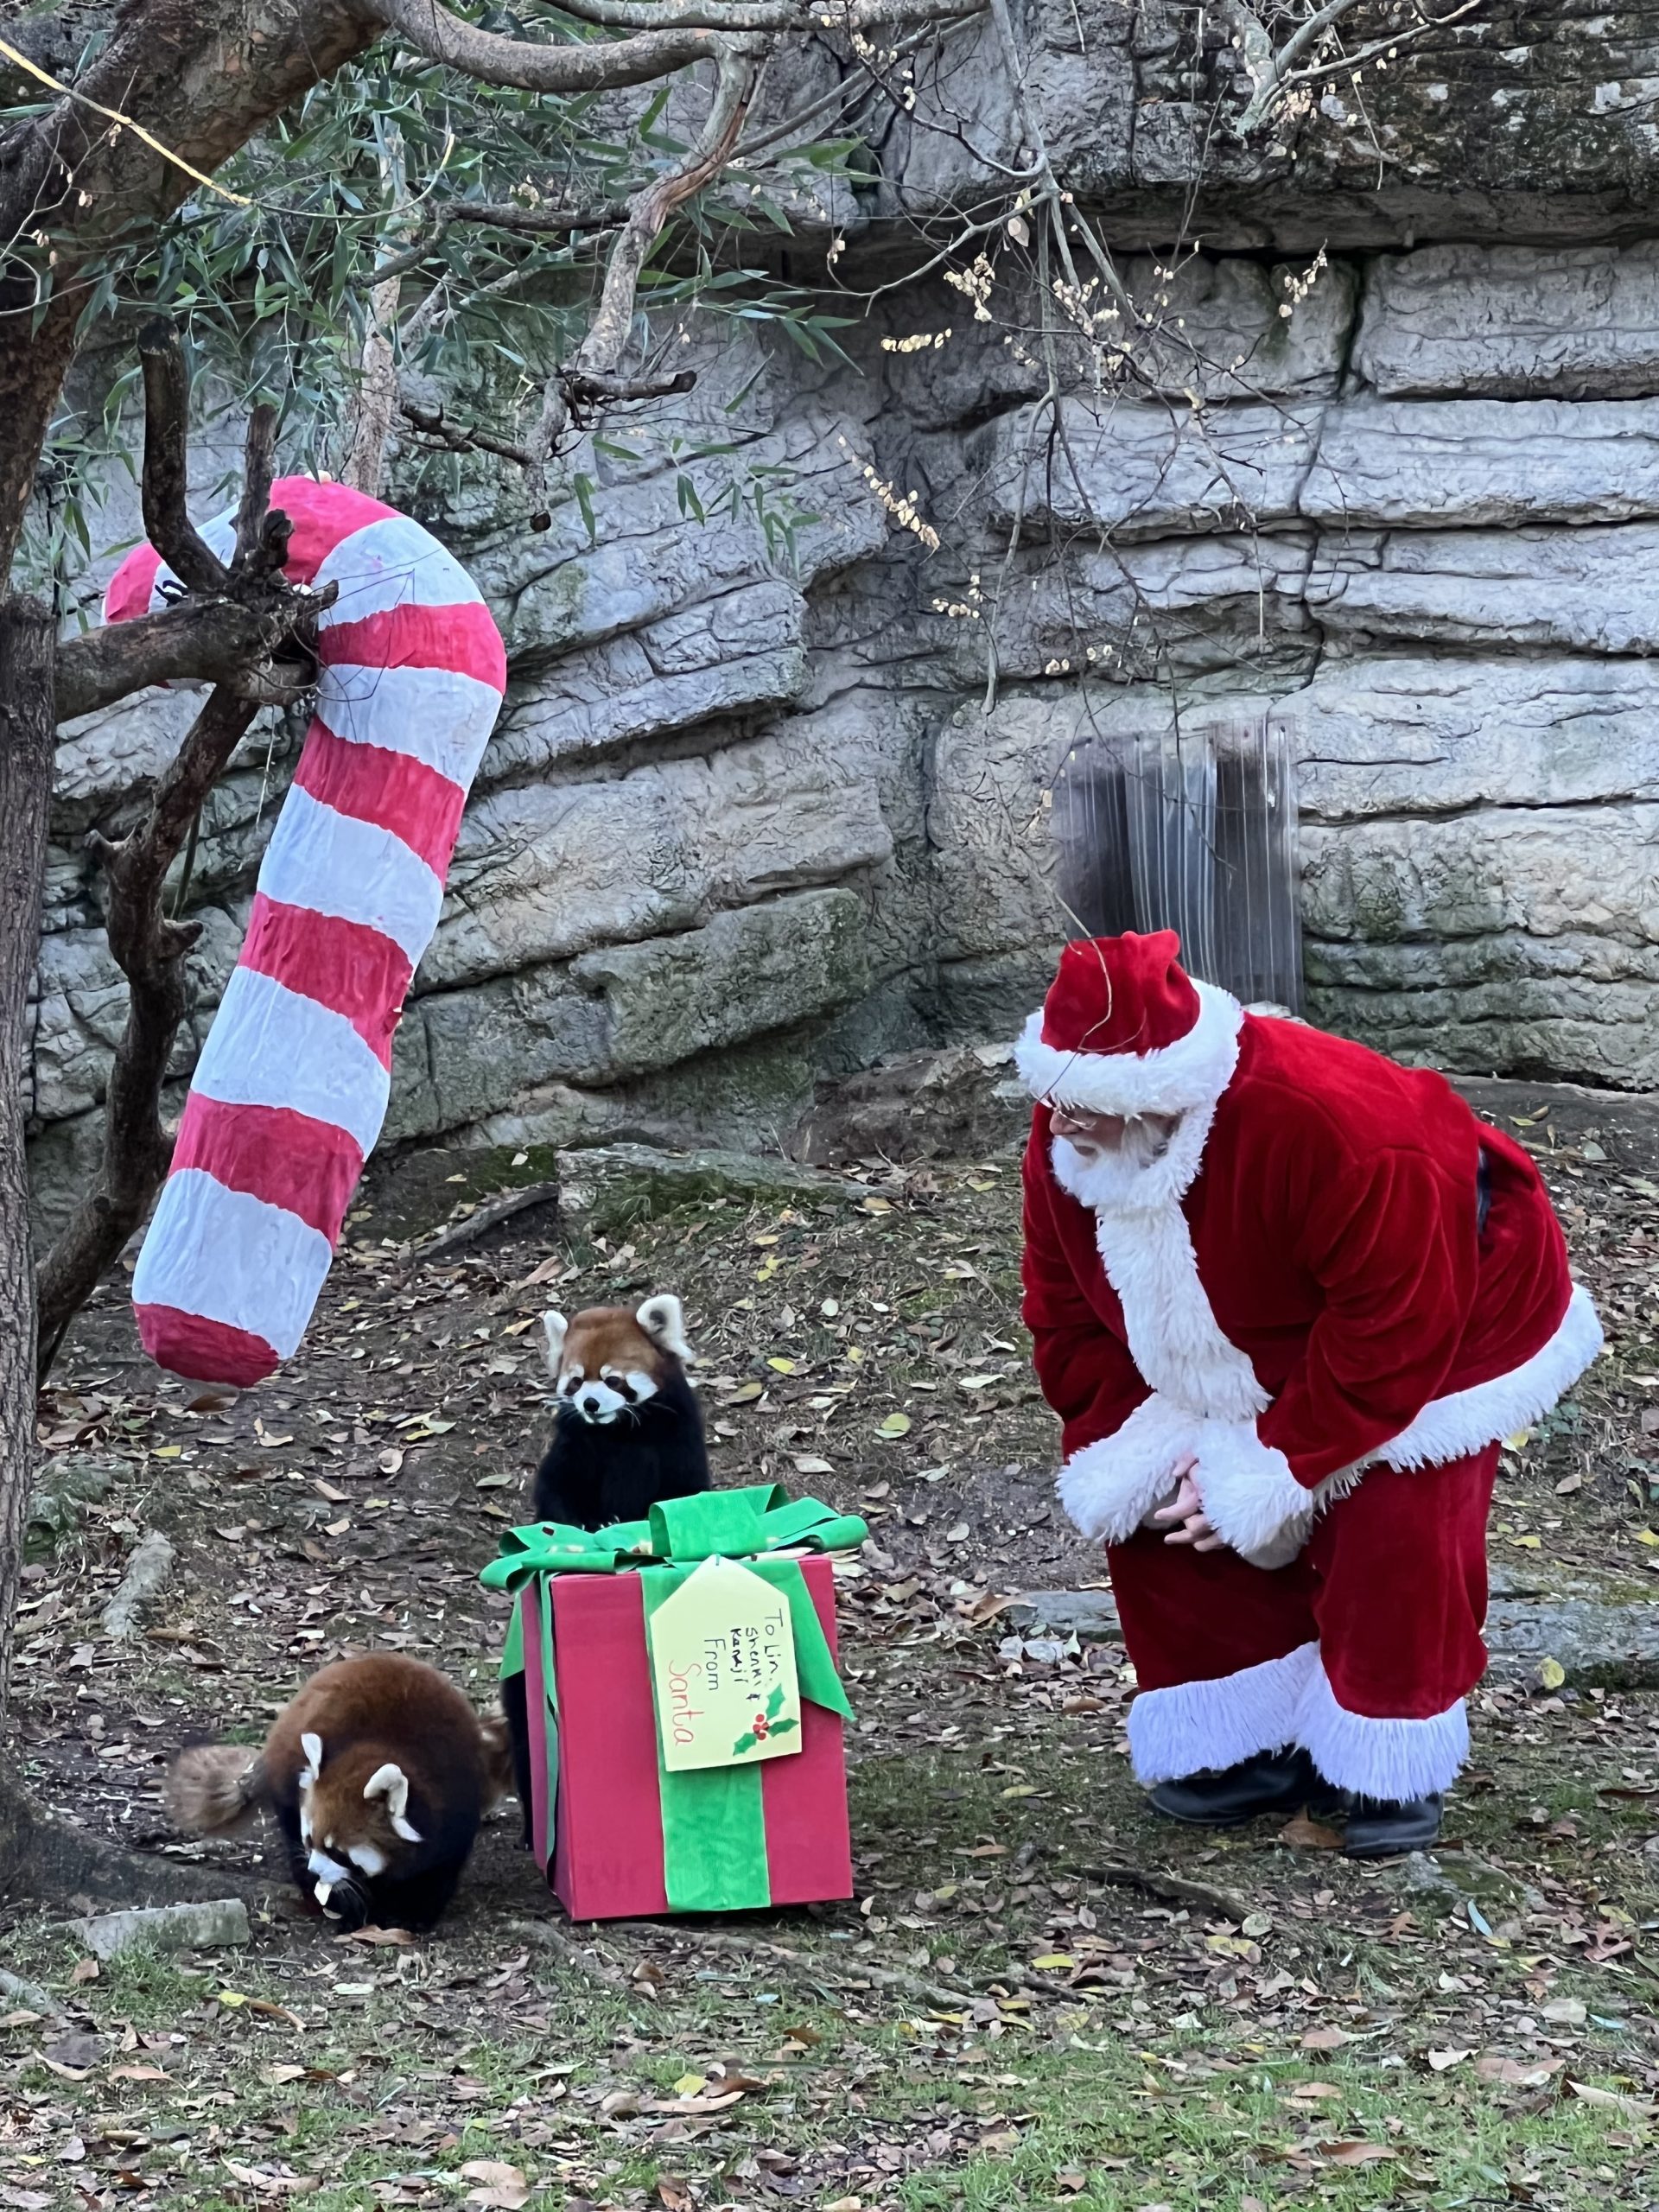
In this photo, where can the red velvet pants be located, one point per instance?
(1362, 1651)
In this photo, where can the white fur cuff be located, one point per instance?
(1391, 1760)
(1170, 1079)
(1254, 1502)
(1196, 1728)
(1107, 1489)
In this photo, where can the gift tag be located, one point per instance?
(722, 1661)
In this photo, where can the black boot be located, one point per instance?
(1273, 1781)
(1378, 1829)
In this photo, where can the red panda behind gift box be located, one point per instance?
(627, 1435)
(628, 1432)
(377, 1774)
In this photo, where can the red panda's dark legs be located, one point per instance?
(288, 1820)
(515, 1707)
(417, 1903)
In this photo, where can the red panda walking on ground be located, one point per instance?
(628, 1432)
(377, 1774)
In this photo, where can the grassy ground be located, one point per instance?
(1038, 1996)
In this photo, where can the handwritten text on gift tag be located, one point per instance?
(722, 1657)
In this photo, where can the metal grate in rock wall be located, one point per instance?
(1192, 827)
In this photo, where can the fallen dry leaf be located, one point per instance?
(1441, 2062)
(272, 2184)
(1517, 2073)
(1303, 1834)
(1611, 2099)
(502, 2188)
(1325, 2038)
(1354, 2154)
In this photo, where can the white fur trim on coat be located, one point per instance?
(1252, 1499)
(1393, 1760)
(1146, 1249)
(1192, 1071)
(1196, 1728)
(1466, 1420)
(1107, 1488)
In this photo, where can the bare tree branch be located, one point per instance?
(197, 641)
(166, 427)
(1271, 70)
(231, 630)
(255, 540)
(230, 626)
(502, 215)
(26, 643)
(601, 350)
(375, 402)
(150, 951)
(768, 15)
(577, 68)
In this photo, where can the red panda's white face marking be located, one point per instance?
(599, 1371)
(337, 1853)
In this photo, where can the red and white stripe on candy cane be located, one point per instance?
(290, 1091)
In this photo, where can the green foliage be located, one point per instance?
(274, 298)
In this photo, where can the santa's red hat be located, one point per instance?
(1125, 1030)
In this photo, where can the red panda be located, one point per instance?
(628, 1432)
(377, 1774)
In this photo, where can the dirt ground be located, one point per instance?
(1037, 1995)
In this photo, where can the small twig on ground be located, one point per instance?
(489, 1216)
(148, 1571)
(1177, 1888)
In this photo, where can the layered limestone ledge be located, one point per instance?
(1512, 322)
(461, 1056)
(1141, 471)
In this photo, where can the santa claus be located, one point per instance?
(1285, 1299)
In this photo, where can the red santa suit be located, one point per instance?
(1338, 1289)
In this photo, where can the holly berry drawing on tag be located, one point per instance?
(765, 1726)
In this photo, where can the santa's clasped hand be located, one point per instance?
(1286, 1297)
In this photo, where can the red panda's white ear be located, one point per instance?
(390, 1783)
(554, 1328)
(662, 1320)
(311, 1744)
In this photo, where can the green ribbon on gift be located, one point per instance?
(714, 1822)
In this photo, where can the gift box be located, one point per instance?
(684, 1711)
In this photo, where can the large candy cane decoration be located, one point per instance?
(290, 1091)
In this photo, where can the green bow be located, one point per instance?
(714, 1827)
(714, 1524)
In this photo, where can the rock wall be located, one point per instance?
(755, 808)
(1439, 586)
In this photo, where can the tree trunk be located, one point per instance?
(26, 737)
